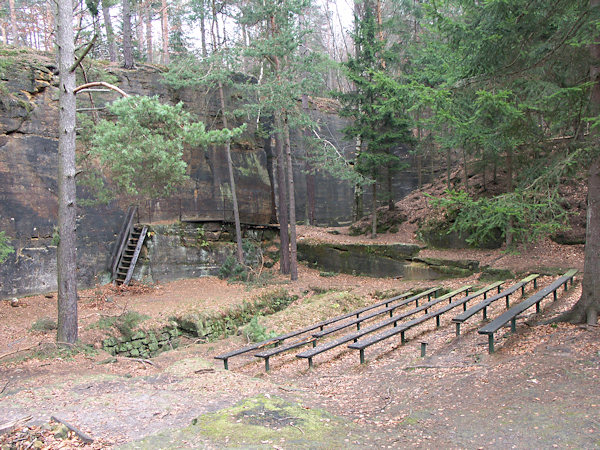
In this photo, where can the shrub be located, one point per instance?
(255, 332)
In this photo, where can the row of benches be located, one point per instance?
(392, 304)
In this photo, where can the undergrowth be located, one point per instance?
(124, 323)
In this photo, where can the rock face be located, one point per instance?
(28, 168)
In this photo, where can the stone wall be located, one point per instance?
(143, 344)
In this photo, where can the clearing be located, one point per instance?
(540, 389)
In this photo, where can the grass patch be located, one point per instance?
(212, 326)
(328, 274)
(125, 323)
(44, 324)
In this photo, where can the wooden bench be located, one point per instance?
(309, 354)
(401, 329)
(276, 351)
(512, 313)
(390, 310)
(278, 339)
(458, 320)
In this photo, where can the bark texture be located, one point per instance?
(67, 206)
(586, 309)
(127, 38)
(110, 34)
(292, 203)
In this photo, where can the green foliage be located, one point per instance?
(124, 323)
(482, 220)
(142, 151)
(328, 274)
(231, 269)
(213, 326)
(5, 248)
(44, 324)
(255, 332)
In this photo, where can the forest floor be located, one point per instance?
(541, 388)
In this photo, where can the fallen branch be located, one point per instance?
(140, 360)
(20, 350)
(4, 387)
(200, 371)
(84, 437)
(7, 427)
(100, 83)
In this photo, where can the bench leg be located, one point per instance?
(417, 303)
(267, 368)
(507, 301)
(426, 309)
(457, 329)
(310, 363)
(566, 285)
(535, 283)
(465, 306)
(362, 355)
(485, 313)
(395, 323)
(498, 289)
(402, 340)
(537, 307)
(225, 364)
(391, 313)
(523, 290)
(423, 349)
(485, 295)
(437, 321)
(358, 326)
(490, 343)
(314, 343)
(513, 324)
(554, 294)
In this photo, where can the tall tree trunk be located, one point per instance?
(149, 43)
(49, 22)
(236, 211)
(67, 206)
(14, 37)
(139, 28)
(358, 190)
(292, 203)
(448, 168)
(165, 32)
(390, 189)
(587, 307)
(203, 30)
(127, 44)
(110, 34)
(374, 212)
(284, 261)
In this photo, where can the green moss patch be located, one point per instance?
(259, 422)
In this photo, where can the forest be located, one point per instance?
(498, 85)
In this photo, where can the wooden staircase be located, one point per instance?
(128, 249)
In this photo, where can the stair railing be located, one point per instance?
(122, 239)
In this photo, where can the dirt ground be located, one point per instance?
(539, 390)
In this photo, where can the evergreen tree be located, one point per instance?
(379, 125)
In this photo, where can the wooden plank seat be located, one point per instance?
(278, 339)
(402, 328)
(309, 354)
(276, 351)
(458, 320)
(535, 299)
(389, 309)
